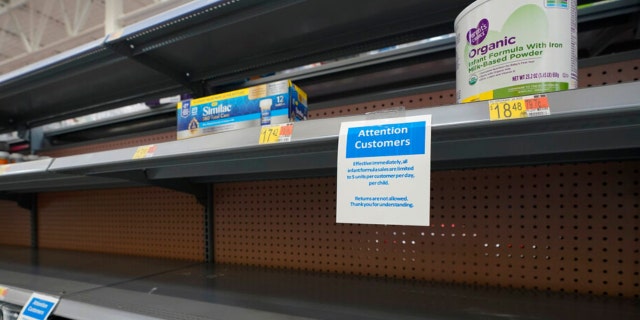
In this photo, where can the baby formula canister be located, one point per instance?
(507, 48)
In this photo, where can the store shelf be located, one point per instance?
(25, 168)
(176, 51)
(325, 30)
(34, 176)
(585, 125)
(94, 286)
(428, 62)
(606, 9)
(184, 50)
(180, 51)
(88, 79)
(321, 296)
(156, 118)
(59, 273)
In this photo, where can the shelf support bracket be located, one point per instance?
(208, 226)
(180, 185)
(127, 50)
(28, 201)
(24, 201)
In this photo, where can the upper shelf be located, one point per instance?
(34, 176)
(585, 125)
(206, 46)
(224, 41)
(230, 40)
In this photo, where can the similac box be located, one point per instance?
(272, 103)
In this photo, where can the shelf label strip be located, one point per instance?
(145, 151)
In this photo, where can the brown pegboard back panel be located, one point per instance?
(570, 228)
(432, 99)
(151, 222)
(111, 145)
(14, 224)
(614, 73)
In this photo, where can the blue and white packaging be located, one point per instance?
(272, 103)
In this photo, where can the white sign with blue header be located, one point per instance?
(39, 307)
(384, 171)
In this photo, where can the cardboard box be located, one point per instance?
(272, 103)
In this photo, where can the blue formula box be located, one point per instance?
(272, 103)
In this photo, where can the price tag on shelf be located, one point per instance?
(4, 168)
(519, 107)
(3, 292)
(537, 105)
(115, 35)
(276, 133)
(145, 151)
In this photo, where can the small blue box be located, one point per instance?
(272, 103)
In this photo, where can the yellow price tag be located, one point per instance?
(269, 134)
(506, 109)
(276, 133)
(519, 107)
(4, 168)
(144, 152)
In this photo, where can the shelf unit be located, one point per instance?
(35, 176)
(177, 52)
(110, 287)
(588, 125)
(273, 205)
(191, 293)
(62, 273)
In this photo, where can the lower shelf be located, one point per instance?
(94, 286)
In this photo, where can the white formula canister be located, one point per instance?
(507, 48)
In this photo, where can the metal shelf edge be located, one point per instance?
(565, 106)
